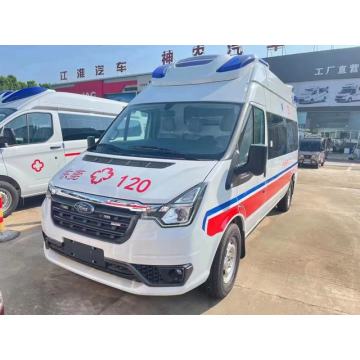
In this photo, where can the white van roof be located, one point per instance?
(217, 77)
(45, 99)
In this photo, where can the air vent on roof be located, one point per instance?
(194, 61)
(23, 93)
(126, 162)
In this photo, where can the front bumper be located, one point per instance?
(308, 162)
(149, 251)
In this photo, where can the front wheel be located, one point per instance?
(10, 197)
(225, 265)
(285, 203)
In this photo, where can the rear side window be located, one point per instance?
(277, 136)
(292, 135)
(80, 126)
(40, 127)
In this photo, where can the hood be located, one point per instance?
(149, 181)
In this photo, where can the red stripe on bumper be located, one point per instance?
(72, 154)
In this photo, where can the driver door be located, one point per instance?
(251, 188)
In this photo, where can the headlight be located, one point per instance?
(51, 190)
(314, 157)
(301, 157)
(181, 210)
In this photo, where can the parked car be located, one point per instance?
(162, 211)
(312, 151)
(42, 130)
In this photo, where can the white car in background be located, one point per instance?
(313, 95)
(42, 130)
(349, 93)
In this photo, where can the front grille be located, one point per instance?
(105, 223)
(307, 156)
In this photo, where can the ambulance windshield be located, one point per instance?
(191, 130)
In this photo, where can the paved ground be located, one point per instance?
(306, 261)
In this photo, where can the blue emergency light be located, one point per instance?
(23, 93)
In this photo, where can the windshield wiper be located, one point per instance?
(163, 151)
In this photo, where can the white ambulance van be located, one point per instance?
(163, 202)
(40, 131)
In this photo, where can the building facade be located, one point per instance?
(122, 88)
(326, 87)
(327, 92)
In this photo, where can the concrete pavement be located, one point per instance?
(306, 261)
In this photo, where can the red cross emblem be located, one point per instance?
(37, 165)
(101, 175)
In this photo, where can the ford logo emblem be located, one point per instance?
(84, 208)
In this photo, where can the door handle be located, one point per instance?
(55, 147)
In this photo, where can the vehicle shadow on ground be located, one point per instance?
(32, 202)
(36, 286)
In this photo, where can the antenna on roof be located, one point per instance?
(271, 49)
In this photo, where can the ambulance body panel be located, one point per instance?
(185, 192)
(41, 131)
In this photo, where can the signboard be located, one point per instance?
(327, 93)
(318, 65)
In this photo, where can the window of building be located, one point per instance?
(80, 126)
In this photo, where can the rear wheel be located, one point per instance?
(225, 265)
(285, 203)
(10, 197)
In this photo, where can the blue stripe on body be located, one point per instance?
(244, 194)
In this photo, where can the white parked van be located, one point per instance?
(348, 93)
(40, 131)
(163, 202)
(314, 95)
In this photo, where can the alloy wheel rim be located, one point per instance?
(6, 199)
(229, 261)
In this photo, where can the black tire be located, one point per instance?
(216, 285)
(285, 203)
(12, 194)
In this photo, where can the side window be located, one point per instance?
(79, 127)
(40, 127)
(253, 133)
(276, 136)
(259, 126)
(292, 136)
(16, 131)
(246, 140)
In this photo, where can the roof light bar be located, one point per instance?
(160, 72)
(196, 60)
(23, 93)
(236, 62)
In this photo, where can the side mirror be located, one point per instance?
(90, 141)
(256, 161)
